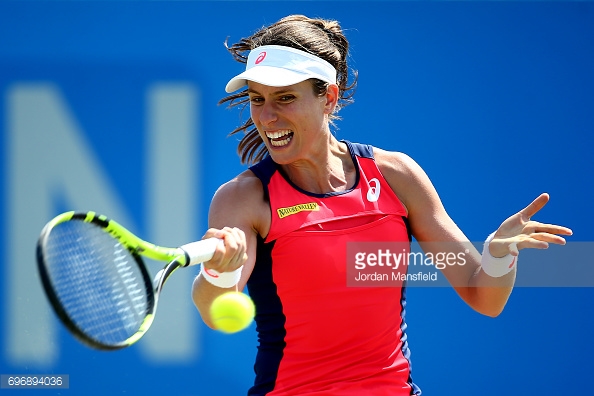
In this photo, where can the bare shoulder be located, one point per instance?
(402, 172)
(242, 186)
(240, 203)
(427, 216)
(394, 162)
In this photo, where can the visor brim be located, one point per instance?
(268, 75)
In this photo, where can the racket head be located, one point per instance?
(97, 284)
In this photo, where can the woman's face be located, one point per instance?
(292, 120)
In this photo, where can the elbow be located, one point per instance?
(491, 305)
(202, 304)
(488, 301)
(205, 316)
(492, 312)
(208, 323)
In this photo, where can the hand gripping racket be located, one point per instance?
(93, 274)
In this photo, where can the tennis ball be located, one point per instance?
(232, 312)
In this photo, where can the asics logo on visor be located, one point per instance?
(260, 57)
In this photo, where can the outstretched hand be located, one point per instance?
(520, 232)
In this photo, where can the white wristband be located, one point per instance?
(221, 279)
(496, 267)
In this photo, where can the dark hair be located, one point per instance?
(320, 37)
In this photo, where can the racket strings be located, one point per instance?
(98, 282)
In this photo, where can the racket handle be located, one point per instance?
(201, 251)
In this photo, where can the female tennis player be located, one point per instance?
(286, 223)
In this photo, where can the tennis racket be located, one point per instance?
(94, 276)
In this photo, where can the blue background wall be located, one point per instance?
(494, 99)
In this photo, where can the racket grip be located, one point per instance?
(201, 251)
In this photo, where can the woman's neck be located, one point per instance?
(330, 170)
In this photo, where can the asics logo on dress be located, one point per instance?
(374, 191)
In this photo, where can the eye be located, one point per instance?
(286, 98)
(256, 99)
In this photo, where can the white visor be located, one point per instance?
(279, 66)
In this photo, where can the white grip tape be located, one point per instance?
(222, 279)
(496, 267)
(201, 251)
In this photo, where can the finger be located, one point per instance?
(535, 205)
(513, 249)
(549, 238)
(241, 246)
(215, 259)
(235, 248)
(223, 233)
(532, 244)
(535, 226)
(221, 257)
(211, 233)
(244, 256)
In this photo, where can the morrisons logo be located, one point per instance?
(284, 212)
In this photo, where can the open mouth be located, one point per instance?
(280, 138)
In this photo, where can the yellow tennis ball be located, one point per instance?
(232, 312)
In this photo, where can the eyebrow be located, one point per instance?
(279, 92)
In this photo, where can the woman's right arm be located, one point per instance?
(237, 215)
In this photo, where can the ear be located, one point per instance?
(331, 99)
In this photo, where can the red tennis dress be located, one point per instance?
(318, 336)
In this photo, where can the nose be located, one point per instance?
(267, 113)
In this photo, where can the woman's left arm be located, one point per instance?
(486, 292)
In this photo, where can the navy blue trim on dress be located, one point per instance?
(270, 321)
(266, 168)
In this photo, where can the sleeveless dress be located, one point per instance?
(317, 335)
